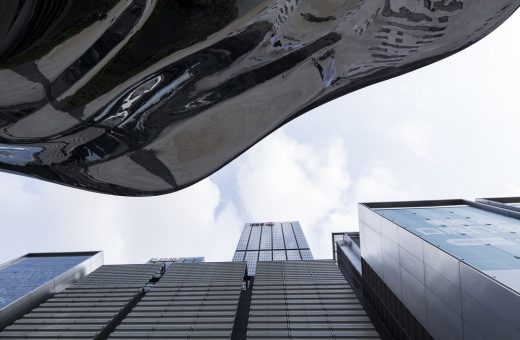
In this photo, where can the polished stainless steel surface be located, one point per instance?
(147, 97)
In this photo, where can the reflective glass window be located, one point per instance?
(265, 242)
(486, 240)
(279, 255)
(290, 240)
(293, 255)
(242, 243)
(278, 237)
(265, 255)
(254, 238)
(300, 237)
(251, 259)
(306, 254)
(239, 256)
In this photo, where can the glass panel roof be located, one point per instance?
(485, 240)
(21, 277)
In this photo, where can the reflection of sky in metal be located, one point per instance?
(487, 241)
(29, 273)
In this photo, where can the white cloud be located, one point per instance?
(379, 183)
(47, 217)
(458, 118)
(281, 179)
(375, 183)
(415, 137)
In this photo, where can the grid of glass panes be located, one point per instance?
(265, 242)
(300, 237)
(251, 258)
(279, 255)
(265, 255)
(254, 238)
(259, 238)
(306, 254)
(278, 237)
(23, 276)
(239, 256)
(242, 243)
(288, 235)
(293, 255)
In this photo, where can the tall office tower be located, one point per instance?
(27, 281)
(271, 242)
(445, 269)
(289, 295)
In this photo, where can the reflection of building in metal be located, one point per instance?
(448, 269)
(27, 281)
(271, 241)
(147, 97)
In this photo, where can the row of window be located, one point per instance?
(253, 256)
(275, 255)
(278, 236)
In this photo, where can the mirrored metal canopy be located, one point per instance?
(144, 98)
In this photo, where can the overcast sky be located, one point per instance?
(449, 130)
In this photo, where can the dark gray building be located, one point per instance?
(446, 269)
(186, 298)
(305, 299)
(190, 301)
(290, 295)
(271, 241)
(89, 309)
(27, 281)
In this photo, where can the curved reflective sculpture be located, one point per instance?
(147, 97)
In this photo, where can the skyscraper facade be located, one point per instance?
(305, 299)
(446, 269)
(271, 241)
(186, 298)
(190, 301)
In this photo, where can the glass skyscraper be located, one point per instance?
(271, 241)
